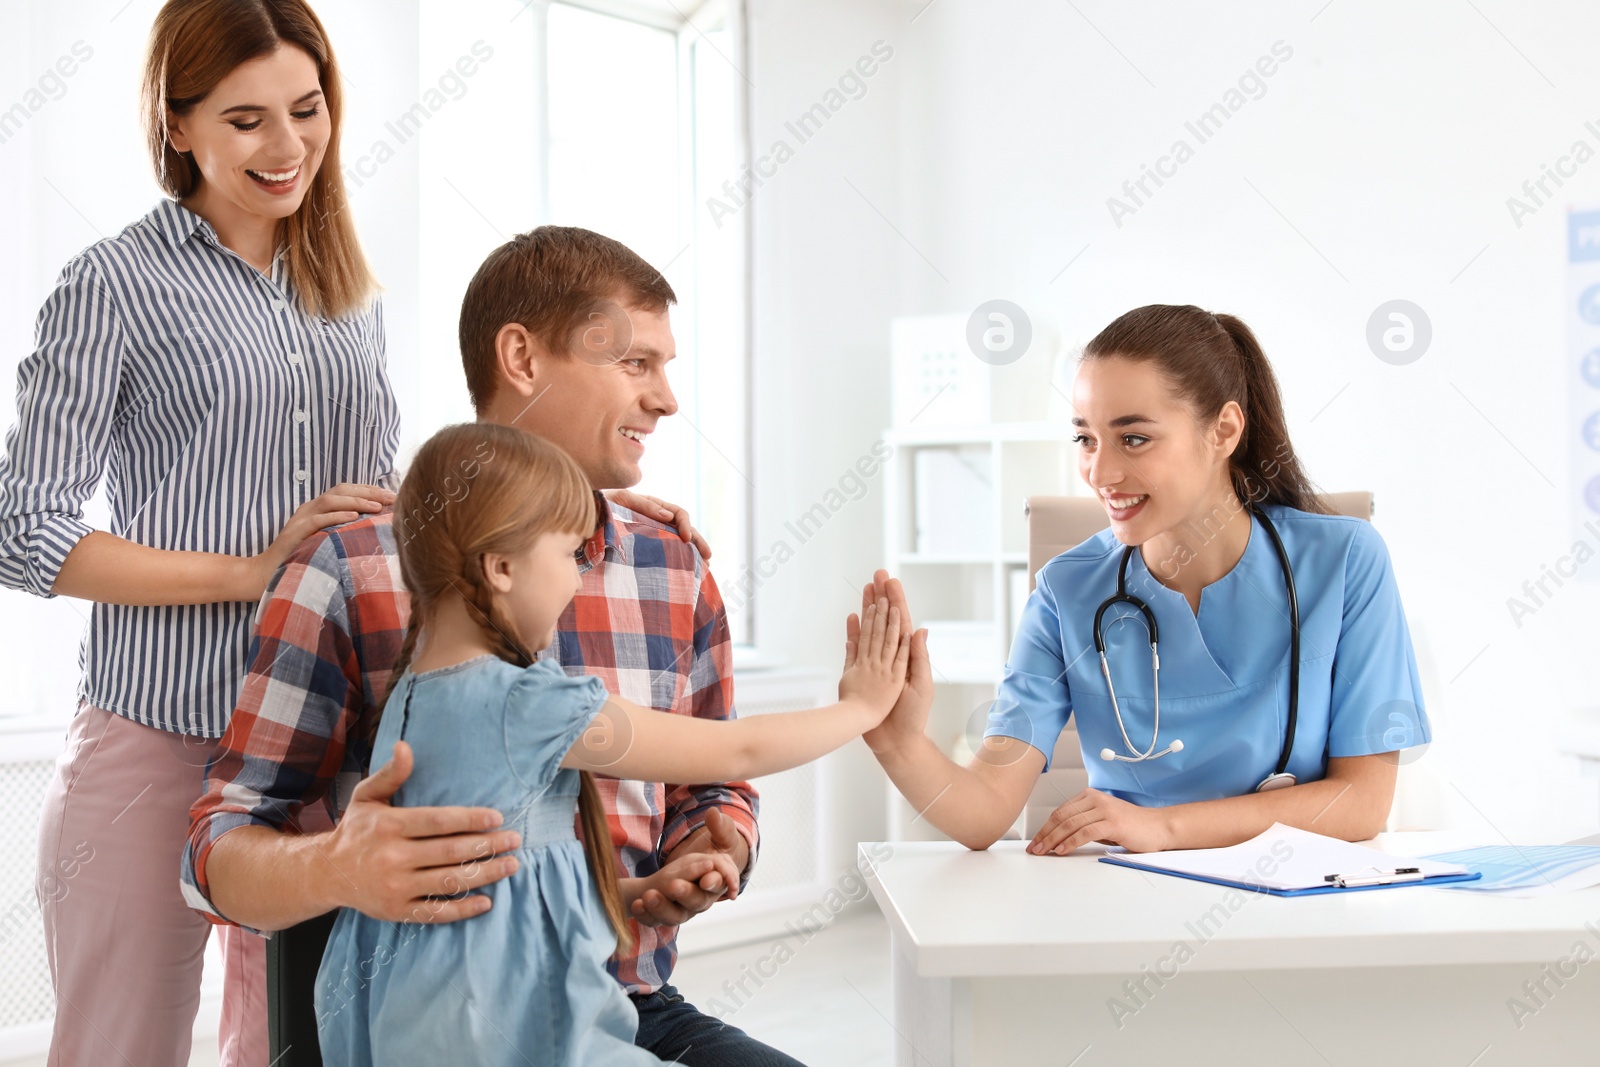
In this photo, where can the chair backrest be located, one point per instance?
(293, 957)
(1055, 524)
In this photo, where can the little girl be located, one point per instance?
(488, 522)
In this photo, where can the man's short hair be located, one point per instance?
(550, 280)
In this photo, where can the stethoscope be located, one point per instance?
(1280, 777)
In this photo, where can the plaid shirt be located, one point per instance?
(648, 622)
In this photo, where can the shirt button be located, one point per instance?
(299, 476)
(300, 416)
(294, 358)
(277, 305)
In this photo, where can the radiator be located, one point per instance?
(27, 1005)
(28, 752)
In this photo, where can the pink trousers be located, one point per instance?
(125, 951)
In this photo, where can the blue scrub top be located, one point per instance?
(1225, 670)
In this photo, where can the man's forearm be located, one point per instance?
(269, 880)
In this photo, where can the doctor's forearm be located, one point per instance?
(1352, 809)
(954, 799)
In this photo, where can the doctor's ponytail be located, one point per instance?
(1210, 360)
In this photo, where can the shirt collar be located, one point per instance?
(605, 542)
(177, 224)
(1248, 569)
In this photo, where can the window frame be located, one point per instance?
(688, 21)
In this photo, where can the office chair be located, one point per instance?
(293, 956)
(1055, 524)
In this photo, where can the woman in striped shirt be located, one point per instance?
(220, 363)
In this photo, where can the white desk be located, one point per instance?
(1005, 958)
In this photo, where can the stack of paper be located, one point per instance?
(1286, 861)
(1529, 870)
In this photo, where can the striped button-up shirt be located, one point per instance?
(648, 621)
(214, 407)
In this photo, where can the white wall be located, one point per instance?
(826, 281)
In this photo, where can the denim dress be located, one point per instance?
(525, 982)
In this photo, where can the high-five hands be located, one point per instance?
(909, 717)
(877, 651)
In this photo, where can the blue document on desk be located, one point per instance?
(1287, 862)
(1529, 870)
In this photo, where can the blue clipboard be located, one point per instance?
(1438, 879)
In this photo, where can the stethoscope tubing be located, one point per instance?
(1122, 596)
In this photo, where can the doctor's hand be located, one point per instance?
(908, 719)
(1096, 816)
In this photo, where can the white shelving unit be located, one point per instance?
(955, 592)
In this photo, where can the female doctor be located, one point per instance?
(1223, 552)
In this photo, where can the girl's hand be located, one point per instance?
(663, 511)
(343, 503)
(877, 652)
(1096, 816)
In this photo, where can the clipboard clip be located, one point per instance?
(1379, 876)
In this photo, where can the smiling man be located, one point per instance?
(564, 333)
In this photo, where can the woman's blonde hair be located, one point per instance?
(194, 44)
(476, 488)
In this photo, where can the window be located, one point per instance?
(645, 123)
